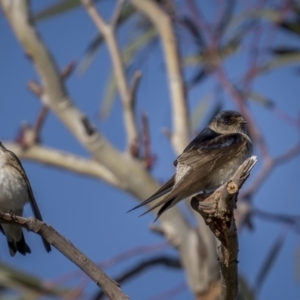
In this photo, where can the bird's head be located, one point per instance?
(228, 121)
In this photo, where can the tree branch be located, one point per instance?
(108, 31)
(65, 160)
(130, 172)
(163, 24)
(109, 286)
(217, 211)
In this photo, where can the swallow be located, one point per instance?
(15, 192)
(209, 161)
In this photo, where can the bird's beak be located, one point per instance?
(242, 121)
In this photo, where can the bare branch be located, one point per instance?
(217, 211)
(67, 70)
(108, 31)
(109, 286)
(163, 24)
(65, 160)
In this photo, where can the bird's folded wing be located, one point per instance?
(16, 164)
(206, 158)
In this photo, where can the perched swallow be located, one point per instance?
(207, 162)
(15, 192)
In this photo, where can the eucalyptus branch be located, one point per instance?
(108, 32)
(109, 286)
(163, 24)
(65, 160)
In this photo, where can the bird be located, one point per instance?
(15, 192)
(208, 161)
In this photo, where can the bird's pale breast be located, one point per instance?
(13, 190)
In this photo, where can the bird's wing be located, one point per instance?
(14, 162)
(167, 187)
(207, 157)
(202, 159)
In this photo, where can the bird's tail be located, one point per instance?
(18, 246)
(166, 188)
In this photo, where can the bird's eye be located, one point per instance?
(227, 121)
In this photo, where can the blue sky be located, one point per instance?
(93, 215)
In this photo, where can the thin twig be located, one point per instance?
(35, 88)
(31, 135)
(67, 70)
(147, 157)
(144, 265)
(40, 120)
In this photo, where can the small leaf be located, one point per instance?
(293, 27)
(22, 281)
(57, 8)
(285, 50)
(272, 15)
(226, 17)
(193, 29)
(97, 41)
(110, 93)
(197, 77)
(89, 54)
(261, 99)
(245, 292)
(199, 111)
(280, 61)
(203, 57)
